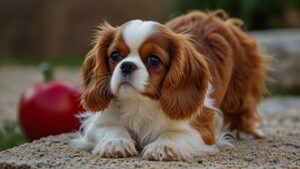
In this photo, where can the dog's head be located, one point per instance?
(150, 59)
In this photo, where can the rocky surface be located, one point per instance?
(283, 46)
(280, 148)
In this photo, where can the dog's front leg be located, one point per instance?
(115, 142)
(104, 137)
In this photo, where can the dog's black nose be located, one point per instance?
(128, 67)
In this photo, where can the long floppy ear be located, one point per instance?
(96, 94)
(184, 88)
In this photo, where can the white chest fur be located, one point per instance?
(142, 116)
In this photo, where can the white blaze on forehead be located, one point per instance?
(136, 32)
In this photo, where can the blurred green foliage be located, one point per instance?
(257, 14)
(11, 135)
(277, 90)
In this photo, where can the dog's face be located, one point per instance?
(136, 60)
(152, 60)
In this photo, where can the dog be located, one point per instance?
(170, 91)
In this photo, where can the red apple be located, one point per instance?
(50, 109)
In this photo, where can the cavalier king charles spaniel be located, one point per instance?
(170, 91)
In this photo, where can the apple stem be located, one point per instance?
(47, 71)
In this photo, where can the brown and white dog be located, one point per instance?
(158, 88)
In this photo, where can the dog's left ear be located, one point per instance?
(96, 94)
(184, 88)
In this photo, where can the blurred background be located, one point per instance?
(60, 32)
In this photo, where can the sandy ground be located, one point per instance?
(279, 149)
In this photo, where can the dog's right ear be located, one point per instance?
(95, 73)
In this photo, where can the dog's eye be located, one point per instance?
(153, 61)
(116, 56)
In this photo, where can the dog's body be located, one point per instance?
(159, 89)
(236, 66)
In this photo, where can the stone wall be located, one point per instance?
(284, 48)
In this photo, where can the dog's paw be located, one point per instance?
(115, 149)
(161, 152)
(80, 143)
(248, 135)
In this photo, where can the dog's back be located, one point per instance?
(238, 69)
